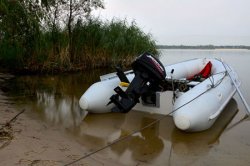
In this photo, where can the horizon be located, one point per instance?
(202, 45)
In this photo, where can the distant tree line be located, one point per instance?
(201, 47)
(61, 35)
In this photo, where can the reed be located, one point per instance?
(95, 44)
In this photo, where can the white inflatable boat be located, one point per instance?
(197, 91)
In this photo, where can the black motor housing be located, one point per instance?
(147, 63)
(149, 75)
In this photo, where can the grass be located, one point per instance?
(95, 44)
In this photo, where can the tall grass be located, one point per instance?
(95, 44)
(102, 43)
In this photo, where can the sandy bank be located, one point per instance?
(30, 141)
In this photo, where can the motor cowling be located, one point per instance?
(147, 63)
(149, 75)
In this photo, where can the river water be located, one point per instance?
(54, 99)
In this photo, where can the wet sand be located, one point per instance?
(33, 142)
(36, 142)
(30, 141)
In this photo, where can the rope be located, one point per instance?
(211, 78)
(12, 119)
(143, 128)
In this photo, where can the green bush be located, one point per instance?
(28, 45)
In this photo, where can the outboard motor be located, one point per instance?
(149, 77)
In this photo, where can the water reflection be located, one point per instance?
(153, 144)
(55, 99)
(201, 142)
(97, 130)
(143, 146)
(64, 111)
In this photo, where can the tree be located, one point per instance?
(19, 27)
(78, 10)
(66, 13)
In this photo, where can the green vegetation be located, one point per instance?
(60, 35)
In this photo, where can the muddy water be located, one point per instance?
(54, 99)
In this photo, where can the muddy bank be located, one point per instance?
(33, 142)
(30, 141)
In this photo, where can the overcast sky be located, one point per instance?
(188, 22)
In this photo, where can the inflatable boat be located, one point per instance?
(194, 92)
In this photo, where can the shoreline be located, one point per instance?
(203, 47)
(101, 65)
(34, 142)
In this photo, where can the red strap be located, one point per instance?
(205, 72)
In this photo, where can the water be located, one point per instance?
(54, 99)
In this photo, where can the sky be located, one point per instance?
(187, 22)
